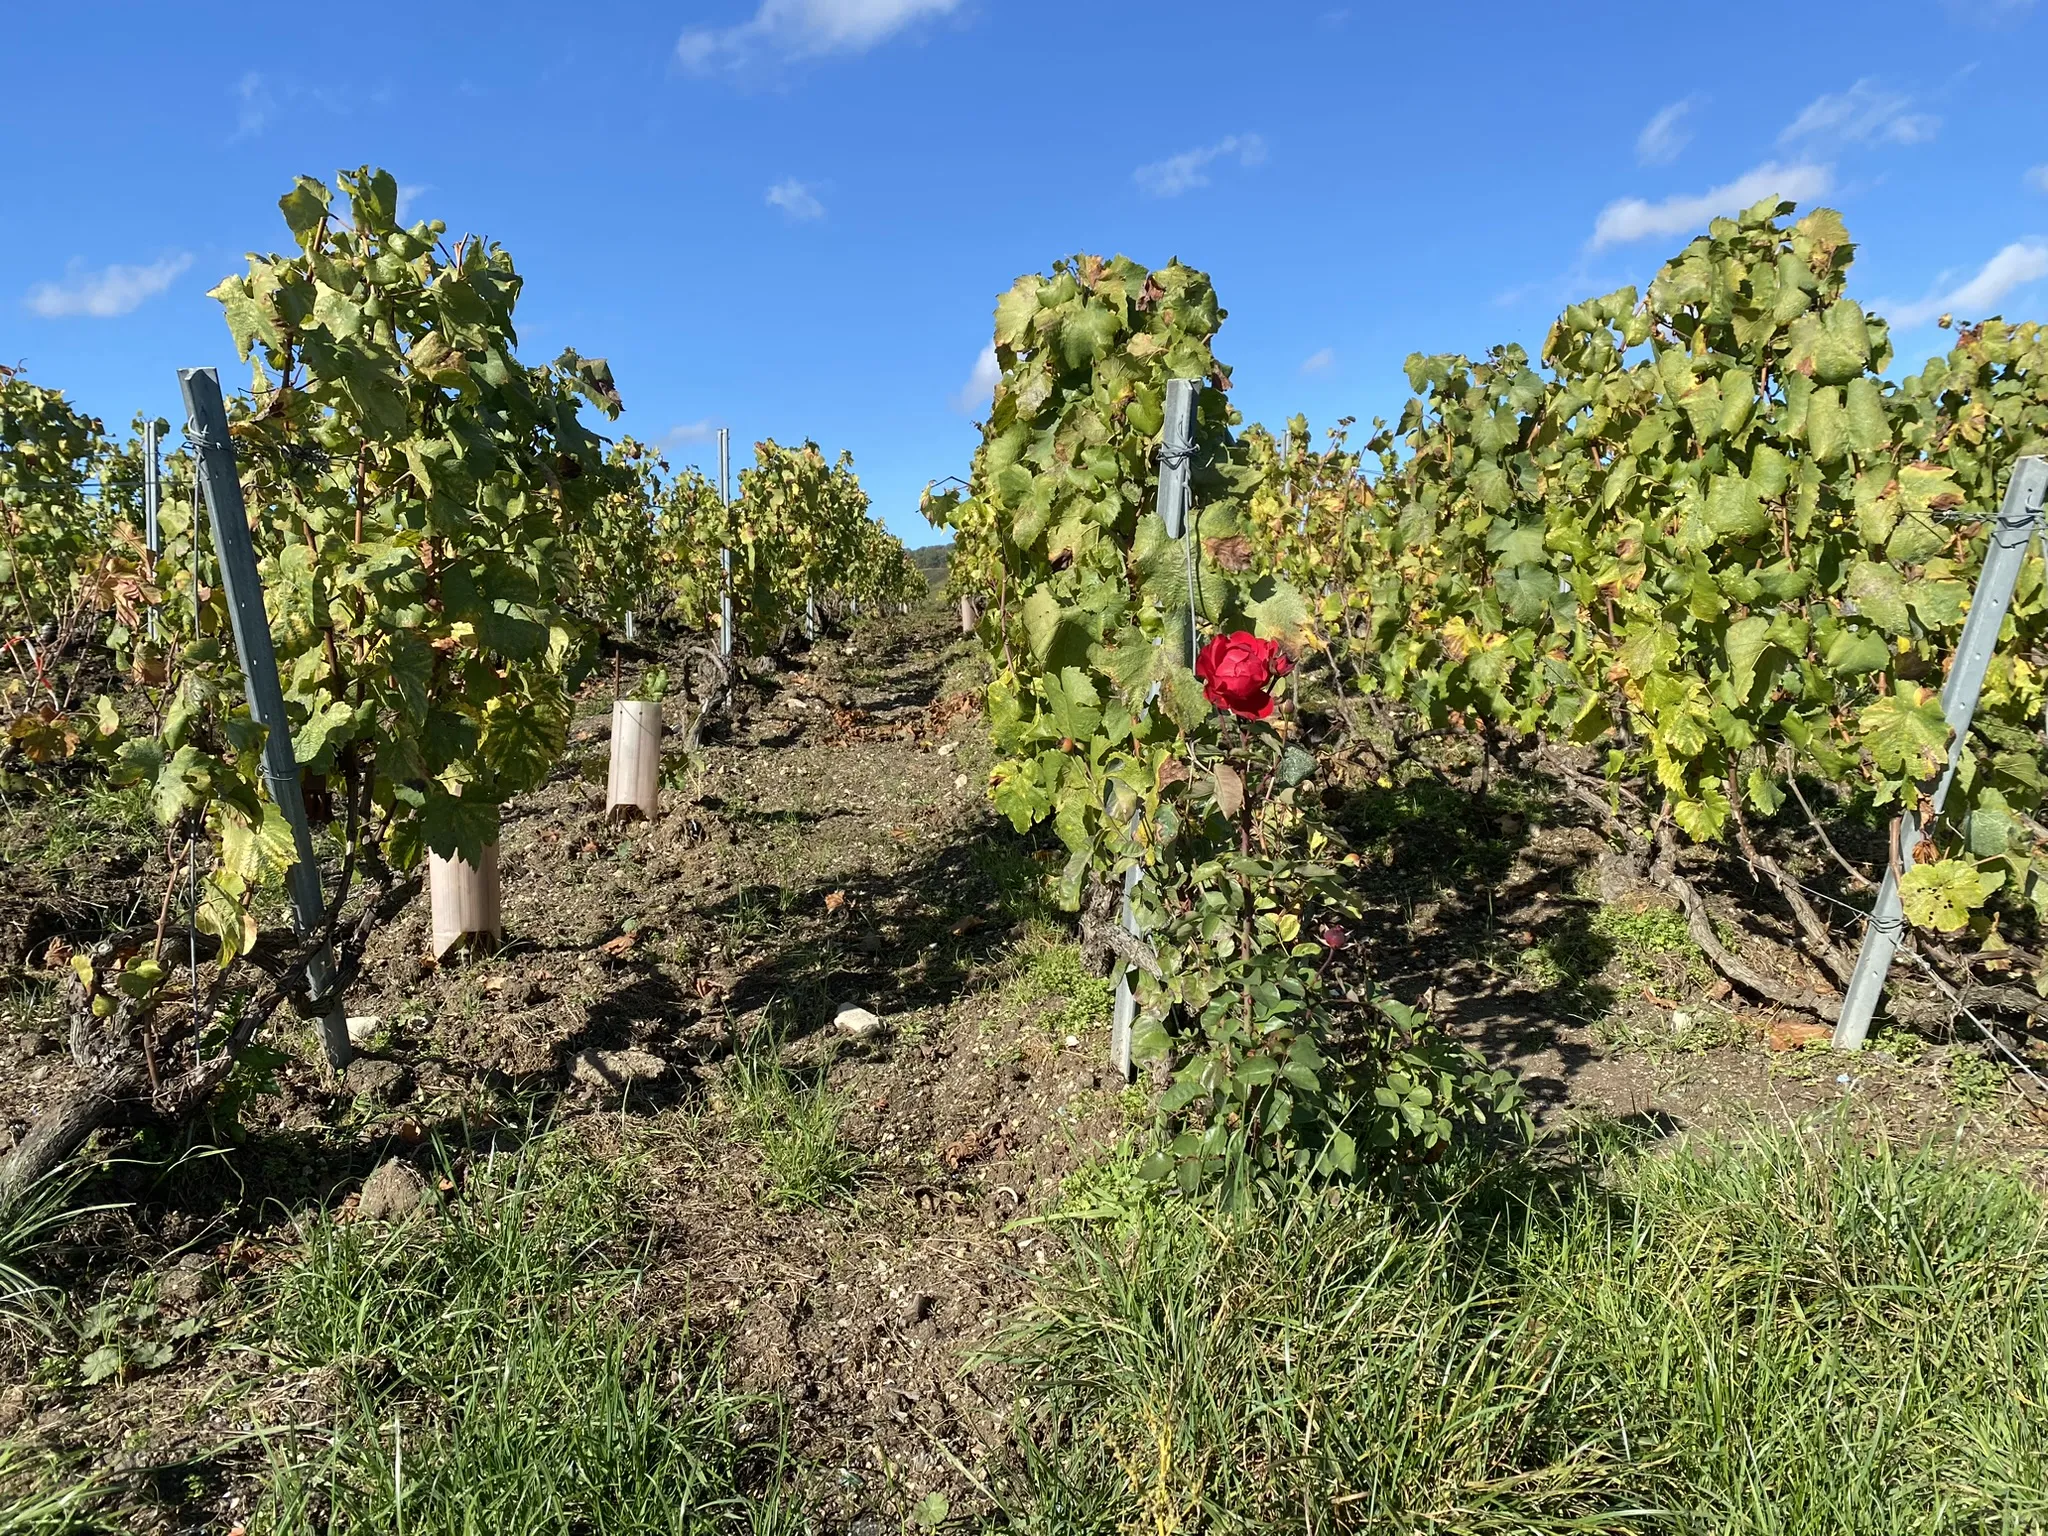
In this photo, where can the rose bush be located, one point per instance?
(1238, 671)
(1278, 1051)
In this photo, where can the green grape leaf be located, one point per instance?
(1733, 509)
(1747, 641)
(1905, 732)
(1868, 428)
(1075, 706)
(453, 827)
(1880, 595)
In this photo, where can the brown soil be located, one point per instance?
(838, 849)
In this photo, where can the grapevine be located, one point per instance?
(1709, 550)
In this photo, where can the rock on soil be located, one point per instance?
(856, 1023)
(385, 1081)
(617, 1069)
(392, 1192)
(190, 1281)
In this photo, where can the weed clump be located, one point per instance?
(481, 1372)
(795, 1124)
(1801, 1332)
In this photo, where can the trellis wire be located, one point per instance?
(1940, 981)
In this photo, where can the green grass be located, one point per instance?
(1801, 1333)
(1053, 971)
(28, 1225)
(95, 822)
(1638, 934)
(483, 1373)
(1973, 1080)
(41, 1496)
(795, 1126)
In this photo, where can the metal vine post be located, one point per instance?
(725, 554)
(207, 429)
(1176, 453)
(2018, 523)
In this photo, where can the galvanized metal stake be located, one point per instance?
(218, 480)
(192, 843)
(152, 495)
(2019, 521)
(725, 555)
(1176, 455)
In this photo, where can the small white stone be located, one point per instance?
(855, 1023)
(1072, 1041)
(1681, 1021)
(949, 749)
(960, 781)
(361, 1026)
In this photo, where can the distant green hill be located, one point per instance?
(932, 560)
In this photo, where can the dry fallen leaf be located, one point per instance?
(1791, 1034)
(835, 901)
(967, 925)
(620, 947)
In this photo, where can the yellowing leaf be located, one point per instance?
(1905, 732)
(1942, 895)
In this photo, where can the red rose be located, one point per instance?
(1238, 672)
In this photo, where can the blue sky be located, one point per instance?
(793, 217)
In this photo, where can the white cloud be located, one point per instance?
(2022, 262)
(409, 194)
(1190, 168)
(257, 104)
(1664, 135)
(798, 29)
(2037, 178)
(796, 200)
(106, 293)
(1863, 114)
(1633, 219)
(1320, 361)
(689, 432)
(980, 388)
